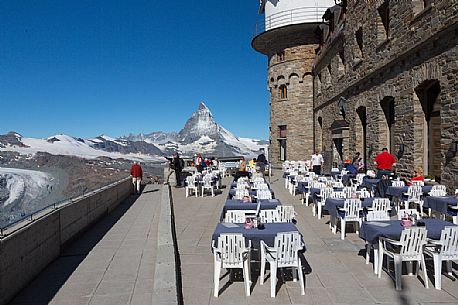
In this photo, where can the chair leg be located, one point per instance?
(203, 190)
(263, 270)
(294, 271)
(368, 252)
(342, 229)
(273, 279)
(380, 260)
(313, 209)
(216, 276)
(437, 271)
(425, 274)
(320, 208)
(398, 271)
(449, 267)
(246, 278)
(307, 195)
(301, 278)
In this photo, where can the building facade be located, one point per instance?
(385, 75)
(286, 36)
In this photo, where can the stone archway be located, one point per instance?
(427, 127)
(387, 126)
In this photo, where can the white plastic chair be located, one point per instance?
(284, 253)
(207, 184)
(268, 216)
(286, 213)
(351, 210)
(263, 194)
(239, 194)
(324, 194)
(381, 204)
(445, 249)
(407, 212)
(230, 253)
(363, 194)
(398, 183)
(235, 216)
(418, 182)
(349, 191)
(414, 195)
(191, 186)
(377, 216)
(338, 195)
(410, 248)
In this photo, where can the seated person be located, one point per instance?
(417, 176)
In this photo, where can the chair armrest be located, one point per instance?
(391, 241)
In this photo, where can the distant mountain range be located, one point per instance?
(200, 134)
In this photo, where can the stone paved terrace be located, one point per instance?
(336, 274)
(114, 262)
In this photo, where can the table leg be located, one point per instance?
(409, 267)
(376, 258)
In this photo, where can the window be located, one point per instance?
(383, 22)
(419, 5)
(282, 92)
(281, 56)
(283, 131)
(359, 43)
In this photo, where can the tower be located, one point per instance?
(287, 37)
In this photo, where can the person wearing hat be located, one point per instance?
(136, 172)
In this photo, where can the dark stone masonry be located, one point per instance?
(384, 75)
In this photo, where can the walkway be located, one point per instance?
(337, 273)
(112, 263)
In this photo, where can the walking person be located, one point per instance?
(178, 165)
(316, 162)
(137, 173)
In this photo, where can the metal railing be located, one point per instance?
(294, 16)
(29, 218)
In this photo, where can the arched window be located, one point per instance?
(282, 92)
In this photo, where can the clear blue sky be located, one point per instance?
(89, 67)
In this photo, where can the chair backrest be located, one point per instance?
(235, 216)
(242, 185)
(208, 179)
(338, 195)
(190, 181)
(268, 216)
(359, 178)
(449, 243)
(287, 246)
(325, 193)
(407, 212)
(338, 184)
(377, 216)
(418, 182)
(352, 208)
(439, 187)
(260, 186)
(397, 183)
(438, 193)
(414, 192)
(349, 191)
(285, 213)
(381, 204)
(232, 248)
(322, 179)
(412, 240)
(263, 194)
(239, 194)
(363, 194)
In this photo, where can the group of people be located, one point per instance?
(258, 163)
(202, 163)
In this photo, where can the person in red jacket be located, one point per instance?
(137, 174)
(384, 162)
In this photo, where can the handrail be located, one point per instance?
(293, 16)
(27, 219)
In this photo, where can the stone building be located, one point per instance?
(385, 75)
(286, 36)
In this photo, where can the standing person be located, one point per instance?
(171, 170)
(384, 163)
(316, 162)
(198, 162)
(178, 165)
(261, 161)
(137, 173)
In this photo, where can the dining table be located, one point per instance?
(235, 204)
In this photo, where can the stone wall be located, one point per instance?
(293, 70)
(419, 53)
(29, 249)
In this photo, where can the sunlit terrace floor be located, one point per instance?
(336, 271)
(114, 262)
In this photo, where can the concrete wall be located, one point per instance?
(26, 252)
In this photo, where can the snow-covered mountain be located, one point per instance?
(200, 134)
